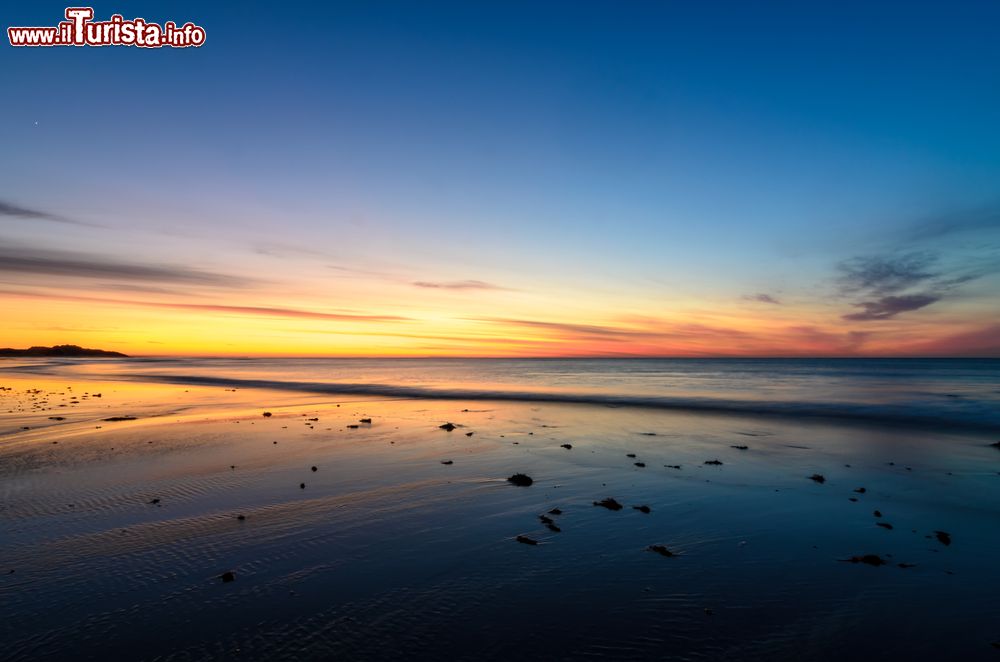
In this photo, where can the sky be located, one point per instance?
(508, 179)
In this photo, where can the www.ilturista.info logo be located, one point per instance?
(79, 29)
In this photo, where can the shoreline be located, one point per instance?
(124, 531)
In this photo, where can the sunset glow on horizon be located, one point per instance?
(660, 181)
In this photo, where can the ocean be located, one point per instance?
(946, 392)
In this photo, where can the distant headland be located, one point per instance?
(59, 350)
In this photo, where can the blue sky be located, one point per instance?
(668, 152)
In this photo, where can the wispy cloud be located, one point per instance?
(890, 306)
(84, 265)
(885, 274)
(255, 311)
(606, 332)
(761, 297)
(280, 250)
(884, 286)
(457, 285)
(268, 311)
(17, 211)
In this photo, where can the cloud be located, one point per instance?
(268, 311)
(458, 285)
(984, 341)
(813, 340)
(572, 329)
(890, 306)
(280, 250)
(883, 286)
(885, 274)
(761, 298)
(256, 311)
(16, 211)
(83, 265)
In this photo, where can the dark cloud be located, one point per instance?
(882, 286)
(16, 211)
(82, 265)
(761, 298)
(458, 285)
(890, 306)
(885, 274)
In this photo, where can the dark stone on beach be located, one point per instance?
(447, 462)
(469, 434)
(545, 519)
(639, 464)
(521, 480)
(120, 418)
(241, 517)
(715, 463)
(154, 501)
(884, 525)
(643, 509)
(555, 511)
(868, 559)
(353, 427)
(312, 419)
(228, 576)
(907, 565)
(672, 466)
(552, 527)
(819, 478)
(447, 427)
(526, 540)
(943, 537)
(57, 418)
(609, 503)
(629, 454)
(314, 469)
(740, 448)
(852, 498)
(566, 446)
(661, 550)
(365, 420)
(861, 490)
(877, 513)
(302, 486)
(267, 414)
(648, 434)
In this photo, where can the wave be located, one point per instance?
(968, 414)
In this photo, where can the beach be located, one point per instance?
(181, 517)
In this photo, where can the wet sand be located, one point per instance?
(403, 542)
